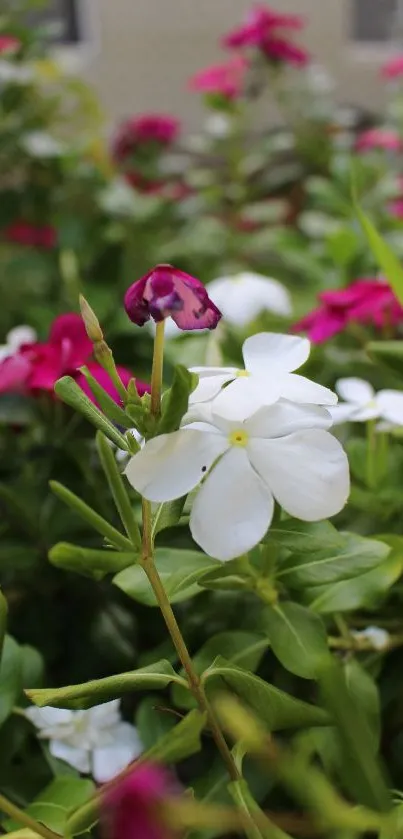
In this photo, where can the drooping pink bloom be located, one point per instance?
(8, 44)
(393, 68)
(159, 129)
(131, 807)
(226, 79)
(31, 235)
(168, 292)
(379, 138)
(106, 383)
(262, 29)
(367, 301)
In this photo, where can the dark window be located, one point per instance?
(61, 17)
(374, 20)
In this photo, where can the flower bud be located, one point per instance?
(91, 321)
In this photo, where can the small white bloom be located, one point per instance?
(379, 638)
(95, 741)
(269, 361)
(242, 297)
(363, 404)
(41, 144)
(15, 339)
(219, 125)
(283, 452)
(16, 73)
(118, 198)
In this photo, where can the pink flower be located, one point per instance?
(160, 129)
(262, 29)
(31, 235)
(131, 807)
(379, 138)
(168, 292)
(393, 68)
(222, 79)
(364, 301)
(9, 44)
(396, 208)
(103, 379)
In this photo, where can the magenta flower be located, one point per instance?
(393, 68)
(31, 235)
(131, 807)
(396, 208)
(168, 292)
(379, 138)
(262, 30)
(159, 129)
(103, 379)
(9, 44)
(227, 80)
(367, 301)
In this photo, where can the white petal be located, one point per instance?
(269, 351)
(108, 761)
(365, 413)
(74, 756)
(355, 390)
(390, 403)
(241, 297)
(208, 387)
(244, 396)
(171, 465)
(286, 418)
(232, 510)
(49, 717)
(307, 472)
(21, 335)
(299, 389)
(106, 715)
(343, 412)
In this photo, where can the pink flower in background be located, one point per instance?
(393, 68)
(379, 138)
(262, 29)
(222, 79)
(31, 235)
(161, 129)
(103, 379)
(364, 301)
(9, 44)
(168, 292)
(396, 208)
(131, 806)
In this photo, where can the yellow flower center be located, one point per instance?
(242, 373)
(238, 437)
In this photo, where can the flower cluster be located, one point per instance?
(393, 69)
(132, 807)
(251, 437)
(263, 30)
(31, 235)
(386, 139)
(367, 301)
(138, 144)
(226, 80)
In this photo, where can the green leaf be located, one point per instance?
(3, 621)
(276, 708)
(10, 677)
(363, 591)
(365, 777)
(352, 556)
(265, 829)
(305, 537)
(297, 637)
(90, 516)
(54, 803)
(175, 402)
(69, 391)
(180, 742)
(107, 404)
(168, 514)
(90, 562)
(384, 257)
(180, 572)
(85, 695)
(342, 246)
(118, 490)
(153, 720)
(364, 693)
(32, 666)
(388, 353)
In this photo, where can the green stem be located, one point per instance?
(156, 374)
(118, 490)
(371, 454)
(22, 817)
(68, 264)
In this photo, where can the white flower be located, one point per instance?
(283, 452)
(240, 298)
(41, 144)
(219, 125)
(95, 741)
(363, 404)
(16, 73)
(269, 361)
(379, 638)
(15, 339)
(118, 198)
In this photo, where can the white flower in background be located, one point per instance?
(363, 404)
(269, 361)
(96, 741)
(15, 339)
(41, 144)
(242, 297)
(219, 125)
(377, 637)
(16, 73)
(118, 198)
(282, 452)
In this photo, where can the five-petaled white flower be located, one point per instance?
(96, 741)
(270, 360)
(243, 296)
(363, 404)
(15, 339)
(282, 452)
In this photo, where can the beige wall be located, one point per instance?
(148, 48)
